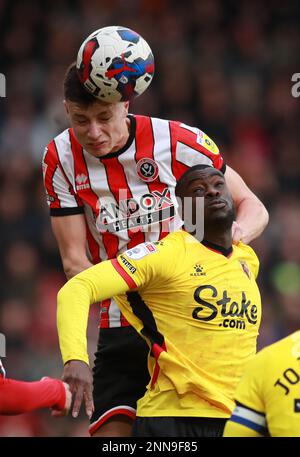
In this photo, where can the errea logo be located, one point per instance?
(82, 182)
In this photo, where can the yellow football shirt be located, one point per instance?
(198, 308)
(268, 396)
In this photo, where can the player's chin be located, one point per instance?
(99, 151)
(216, 213)
(219, 216)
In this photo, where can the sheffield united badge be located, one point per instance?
(147, 169)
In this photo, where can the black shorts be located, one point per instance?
(120, 374)
(196, 427)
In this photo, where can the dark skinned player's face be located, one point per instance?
(210, 184)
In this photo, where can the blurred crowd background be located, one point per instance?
(224, 66)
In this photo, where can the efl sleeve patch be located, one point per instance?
(203, 139)
(140, 251)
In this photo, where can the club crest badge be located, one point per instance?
(245, 268)
(147, 169)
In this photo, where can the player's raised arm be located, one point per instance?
(252, 216)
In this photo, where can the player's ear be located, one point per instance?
(126, 107)
(65, 103)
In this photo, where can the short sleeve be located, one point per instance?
(194, 147)
(61, 198)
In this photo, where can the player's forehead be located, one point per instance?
(93, 109)
(203, 175)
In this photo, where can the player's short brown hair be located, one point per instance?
(74, 90)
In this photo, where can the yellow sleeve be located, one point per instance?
(73, 301)
(249, 418)
(147, 263)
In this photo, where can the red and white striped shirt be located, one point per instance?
(127, 196)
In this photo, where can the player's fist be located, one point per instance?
(68, 402)
(237, 232)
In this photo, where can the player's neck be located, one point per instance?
(220, 238)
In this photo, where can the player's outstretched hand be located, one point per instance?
(79, 377)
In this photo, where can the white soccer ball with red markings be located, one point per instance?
(115, 64)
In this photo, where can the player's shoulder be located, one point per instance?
(194, 136)
(274, 355)
(246, 253)
(150, 121)
(168, 246)
(59, 142)
(288, 346)
(246, 250)
(174, 240)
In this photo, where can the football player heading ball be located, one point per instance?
(105, 150)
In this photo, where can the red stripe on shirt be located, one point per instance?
(145, 149)
(117, 181)
(80, 167)
(90, 196)
(104, 319)
(51, 160)
(128, 279)
(178, 168)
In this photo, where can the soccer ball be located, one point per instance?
(115, 64)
